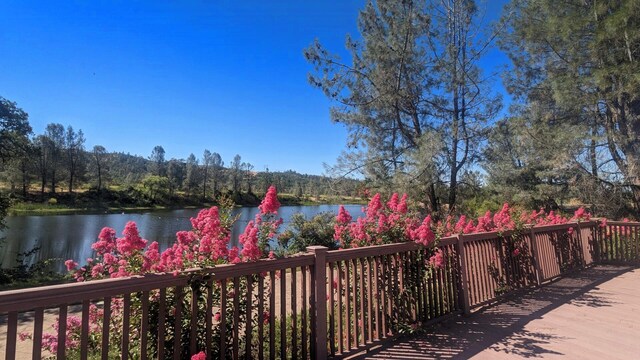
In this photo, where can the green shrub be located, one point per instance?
(302, 233)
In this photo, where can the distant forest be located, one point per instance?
(56, 167)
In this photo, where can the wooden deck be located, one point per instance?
(591, 314)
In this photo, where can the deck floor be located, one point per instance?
(592, 314)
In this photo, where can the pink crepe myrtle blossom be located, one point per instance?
(437, 260)
(423, 234)
(270, 203)
(71, 265)
(199, 356)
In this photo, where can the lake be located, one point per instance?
(70, 236)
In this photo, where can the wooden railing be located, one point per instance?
(315, 305)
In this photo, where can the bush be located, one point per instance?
(302, 233)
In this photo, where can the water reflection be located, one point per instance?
(70, 236)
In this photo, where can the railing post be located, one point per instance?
(464, 282)
(534, 255)
(320, 312)
(596, 238)
(583, 260)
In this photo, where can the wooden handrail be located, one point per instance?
(368, 278)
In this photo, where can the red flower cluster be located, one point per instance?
(270, 204)
(259, 232)
(382, 224)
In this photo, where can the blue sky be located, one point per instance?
(228, 76)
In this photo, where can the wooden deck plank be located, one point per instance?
(591, 314)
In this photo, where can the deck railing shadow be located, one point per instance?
(501, 327)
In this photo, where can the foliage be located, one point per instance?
(575, 76)
(302, 233)
(25, 275)
(413, 98)
(14, 128)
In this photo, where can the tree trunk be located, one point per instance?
(99, 178)
(204, 186)
(53, 182)
(71, 182)
(25, 174)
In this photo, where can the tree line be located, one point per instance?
(425, 118)
(57, 161)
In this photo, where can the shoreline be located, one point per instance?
(45, 210)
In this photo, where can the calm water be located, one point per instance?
(70, 236)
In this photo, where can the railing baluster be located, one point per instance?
(332, 310)
(144, 329)
(223, 318)
(12, 335)
(340, 309)
(84, 330)
(62, 332)
(177, 324)
(249, 328)
(347, 294)
(126, 306)
(369, 300)
(209, 319)
(272, 315)
(193, 322)
(356, 319)
(305, 311)
(162, 318)
(283, 314)
(37, 334)
(236, 317)
(106, 321)
(294, 318)
(261, 317)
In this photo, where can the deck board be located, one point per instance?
(591, 314)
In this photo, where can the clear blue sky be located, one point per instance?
(228, 76)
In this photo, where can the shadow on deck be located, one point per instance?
(594, 313)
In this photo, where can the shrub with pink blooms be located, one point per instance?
(384, 223)
(207, 244)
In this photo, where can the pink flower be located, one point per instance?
(199, 356)
(374, 206)
(392, 204)
(106, 241)
(249, 241)
(97, 270)
(516, 252)
(343, 216)
(70, 264)
(402, 206)
(217, 316)
(437, 260)
(270, 204)
(423, 234)
(23, 336)
(233, 255)
(131, 242)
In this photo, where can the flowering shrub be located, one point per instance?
(260, 232)
(208, 244)
(382, 224)
(205, 245)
